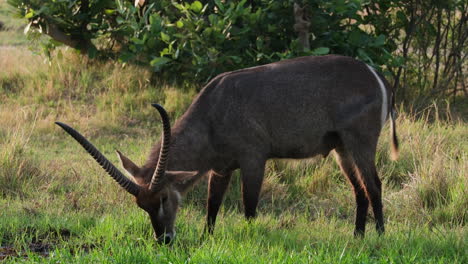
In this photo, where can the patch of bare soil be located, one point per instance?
(38, 248)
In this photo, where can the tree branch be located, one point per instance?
(301, 26)
(83, 45)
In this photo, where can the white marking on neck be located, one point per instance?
(384, 96)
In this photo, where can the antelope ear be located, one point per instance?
(128, 165)
(183, 180)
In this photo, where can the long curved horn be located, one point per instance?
(123, 181)
(159, 179)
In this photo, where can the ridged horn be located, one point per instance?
(123, 181)
(159, 178)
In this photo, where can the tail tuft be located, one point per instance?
(395, 151)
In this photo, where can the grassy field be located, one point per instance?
(57, 205)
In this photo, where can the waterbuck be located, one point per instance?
(295, 108)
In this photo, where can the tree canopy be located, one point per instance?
(195, 40)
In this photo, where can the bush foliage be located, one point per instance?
(198, 40)
(418, 43)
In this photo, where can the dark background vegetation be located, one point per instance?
(419, 44)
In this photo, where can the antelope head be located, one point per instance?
(159, 195)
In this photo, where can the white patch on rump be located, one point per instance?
(384, 96)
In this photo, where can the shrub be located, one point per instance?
(195, 41)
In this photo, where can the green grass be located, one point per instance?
(123, 235)
(57, 205)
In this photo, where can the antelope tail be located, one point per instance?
(394, 144)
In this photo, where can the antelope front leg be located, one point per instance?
(217, 186)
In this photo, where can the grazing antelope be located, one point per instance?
(294, 108)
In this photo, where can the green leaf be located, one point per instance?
(379, 41)
(180, 24)
(155, 22)
(109, 11)
(356, 38)
(165, 37)
(154, 18)
(178, 6)
(196, 6)
(137, 41)
(321, 51)
(207, 32)
(220, 5)
(364, 56)
(213, 19)
(120, 20)
(165, 51)
(236, 59)
(29, 15)
(126, 56)
(402, 17)
(158, 62)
